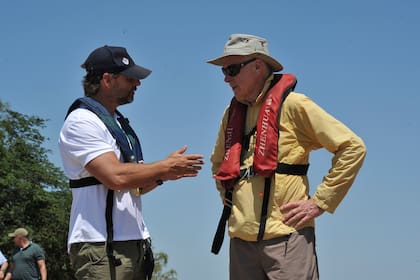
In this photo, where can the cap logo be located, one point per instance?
(125, 61)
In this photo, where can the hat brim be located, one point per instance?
(12, 235)
(136, 72)
(275, 65)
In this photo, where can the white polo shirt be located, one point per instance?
(84, 137)
(2, 258)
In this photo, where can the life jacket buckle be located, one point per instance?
(227, 202)
(247, 173)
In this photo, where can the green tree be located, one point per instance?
(35, 194)
(161, 260)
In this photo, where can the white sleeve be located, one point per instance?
(83, 137)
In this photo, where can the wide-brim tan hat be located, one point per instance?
(247, 45)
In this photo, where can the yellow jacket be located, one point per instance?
(304, 127)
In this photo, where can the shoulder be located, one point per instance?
(296, 102)
(81, 114)
(82, 119)
(37, 250)
(296, 98)
(36, 245)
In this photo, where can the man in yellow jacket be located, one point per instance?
(260, 161)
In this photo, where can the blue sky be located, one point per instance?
(359, 60)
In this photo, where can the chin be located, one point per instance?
(126, 101)
(238, 97)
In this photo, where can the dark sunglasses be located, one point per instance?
(234, 69)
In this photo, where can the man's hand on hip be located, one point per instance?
(300, 212)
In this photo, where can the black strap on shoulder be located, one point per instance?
(282, 168)
(130, 149)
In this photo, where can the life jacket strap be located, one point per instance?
(282, 168)
(221, 227)
(84, 182)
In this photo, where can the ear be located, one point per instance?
(106, 80)
(259, 64)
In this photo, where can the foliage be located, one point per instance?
(161, 260)
(35, 194)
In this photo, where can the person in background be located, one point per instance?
(28, 261)
(260, 161)
(3, 265)
(101, 154)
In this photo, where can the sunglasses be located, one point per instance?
(234, 69)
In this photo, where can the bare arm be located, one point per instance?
(3, 270)
(42, 269)
(121, 176)
(9, 273)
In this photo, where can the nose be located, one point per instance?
(227, 78)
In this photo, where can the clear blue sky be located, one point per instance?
(357, 59)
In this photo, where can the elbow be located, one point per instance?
(352, 151)
(114, 182)
(361, 147)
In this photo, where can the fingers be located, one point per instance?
(289, 206)
(293, 216)
(300, 212)
(179, 151)
(182, 150)
(183, 165)
(194, 159)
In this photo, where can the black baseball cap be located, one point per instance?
(116, 60)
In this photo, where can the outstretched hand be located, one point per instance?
(300, 212)
(183, 165)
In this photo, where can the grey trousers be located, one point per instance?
(291, 257)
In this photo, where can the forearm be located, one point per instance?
(132, 175)
(120, 176)
(42, 269)
(8, 275)
(150, 187)
(3, 267)
(346, 164)
(43, 272)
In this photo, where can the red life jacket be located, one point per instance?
(265, 154)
